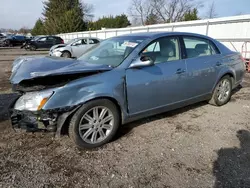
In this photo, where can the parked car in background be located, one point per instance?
(120, 80)
(14, 40)
(74, 48)
(45, 42)
(2, 43)
(1, 36)
(26, 43)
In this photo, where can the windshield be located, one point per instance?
(112, 51)
(71, 41)
(35, 38)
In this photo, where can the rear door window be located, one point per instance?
(198, 47)
(50, 38)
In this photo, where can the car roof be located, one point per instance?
(162, 34)
(87, 38)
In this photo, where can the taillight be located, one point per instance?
(246, 63)
(62, 41)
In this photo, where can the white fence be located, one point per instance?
(232, 31)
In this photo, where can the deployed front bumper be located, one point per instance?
(57, 53)
(49, 120)
(33, 121)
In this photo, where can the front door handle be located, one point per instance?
(180, 71)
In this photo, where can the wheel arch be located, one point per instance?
(63, 128)
(223, 73)
(66, 50)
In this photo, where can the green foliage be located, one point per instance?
(38, 28)
(191, 15)
(110, 22)
(63, 16)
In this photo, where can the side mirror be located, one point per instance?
(143, 61)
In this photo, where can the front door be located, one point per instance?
(79, 47)
(41, 43)
(159, 85)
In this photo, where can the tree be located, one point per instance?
(110, 22)
(65, 16)
(191, 15)
(211, 13)
(165, 11)
(122, 21)
(38, 28)
(139, 10)
(151, 19)
(24, 30)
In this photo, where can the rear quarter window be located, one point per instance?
(93, 41)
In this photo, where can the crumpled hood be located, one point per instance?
(27, 68)
(57, 46)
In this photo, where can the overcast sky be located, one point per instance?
(24, 13)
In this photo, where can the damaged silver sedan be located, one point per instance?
(120, 80)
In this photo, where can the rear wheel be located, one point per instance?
(66, 54)
(222, 92)
(94, 124)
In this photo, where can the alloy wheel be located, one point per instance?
(96, 124)
(224, 89)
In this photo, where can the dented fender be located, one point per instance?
(104, 85)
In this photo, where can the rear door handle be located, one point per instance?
(180, 71)
(218, 64)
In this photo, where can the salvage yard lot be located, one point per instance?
(197, 146)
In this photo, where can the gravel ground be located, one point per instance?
(197, 146)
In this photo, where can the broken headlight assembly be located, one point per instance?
(33, 101)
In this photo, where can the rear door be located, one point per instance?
(203, 64)
(41, 42)
(159, 85)
(51, 41)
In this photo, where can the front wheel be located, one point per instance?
(94, 124)
(222, 92)
(66, 54)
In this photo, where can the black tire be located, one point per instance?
(32, 48)
(66, 54)
(75, 123)
(215, 99)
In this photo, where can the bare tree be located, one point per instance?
(87, 11)
(211, 13)
(24, 30)
(164, 10)
(139, 10)
(173, 10)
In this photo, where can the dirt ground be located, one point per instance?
(197, 146)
